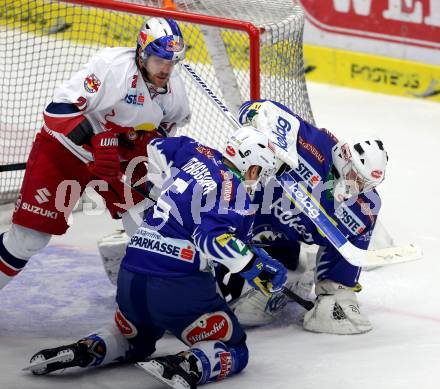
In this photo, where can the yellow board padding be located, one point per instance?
(106, 28)
(372, 73)
(87, 25)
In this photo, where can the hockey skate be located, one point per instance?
(176, 371)
(82, 353)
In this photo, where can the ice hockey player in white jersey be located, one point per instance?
(203, 215)
(97, 123)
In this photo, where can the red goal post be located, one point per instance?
(243, 49)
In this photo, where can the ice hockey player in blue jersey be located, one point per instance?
(203, 215)
(342, 175)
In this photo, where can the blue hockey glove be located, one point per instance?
(265, 273)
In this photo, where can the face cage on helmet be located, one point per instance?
(265, 175)
(355, 182)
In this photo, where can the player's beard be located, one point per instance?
(159, 80)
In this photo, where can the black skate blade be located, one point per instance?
(155, 369)
(57, 358)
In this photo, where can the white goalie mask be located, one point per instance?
(360, 167)
(247, 147)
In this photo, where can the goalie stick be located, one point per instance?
(306, 304)
(298, 195)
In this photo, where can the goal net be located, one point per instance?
(42, 43)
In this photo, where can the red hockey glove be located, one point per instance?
(134, 144)
(106, 163)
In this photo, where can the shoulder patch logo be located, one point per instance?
(92, 83)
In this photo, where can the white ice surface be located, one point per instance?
(64, 293)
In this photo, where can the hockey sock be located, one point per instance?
(116, 346)
(216, 360)
(10, 265)
(16, 247)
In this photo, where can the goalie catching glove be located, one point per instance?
(264, 273)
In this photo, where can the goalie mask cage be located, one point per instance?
(242, 48)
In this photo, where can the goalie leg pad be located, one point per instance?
(336, 311)
(112, 250)
(255, 309)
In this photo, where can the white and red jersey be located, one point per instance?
(111, 94)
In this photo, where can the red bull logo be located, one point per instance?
(143, 39)
(92, 83)
(174, 45)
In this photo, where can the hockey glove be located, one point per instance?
(106, 163)
(265, 273)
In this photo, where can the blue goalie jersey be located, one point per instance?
(279, 219)
(203, 213)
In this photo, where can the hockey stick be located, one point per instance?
(311, 208)
(305, 202)
(204, 86)
(12, 167)
(306, 304)
(22, 166)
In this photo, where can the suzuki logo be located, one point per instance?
(42, 195)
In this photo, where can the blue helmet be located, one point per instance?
(161, 37)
